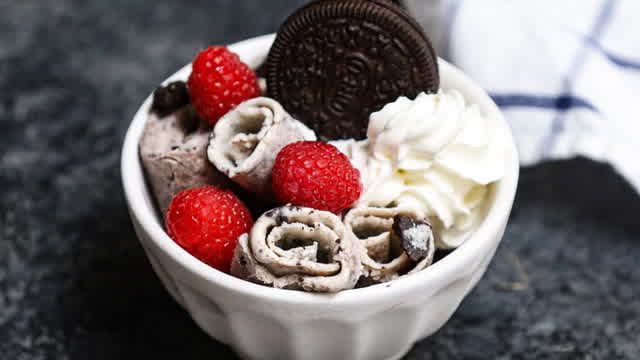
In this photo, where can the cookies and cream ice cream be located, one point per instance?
(245, 142)
(392, 241)
(298, 248)
(173, 151)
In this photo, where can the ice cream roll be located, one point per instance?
(298, 248)
(245, 142)
(173, 152)
(393, 241)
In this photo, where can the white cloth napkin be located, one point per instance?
(565, 73)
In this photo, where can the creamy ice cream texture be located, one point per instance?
(245, 142)
(299, 248)
(435, 153)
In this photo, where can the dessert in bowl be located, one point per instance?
(261, 322)
(324, 308)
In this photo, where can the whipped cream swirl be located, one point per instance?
(434, 153)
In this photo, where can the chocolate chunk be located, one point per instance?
(334, 62)
(281, 219)
(414, 236)
(170, 98)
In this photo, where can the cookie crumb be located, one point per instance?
(414, 235)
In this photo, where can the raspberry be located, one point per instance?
(317, 175)
(206, 222)
(219, 81)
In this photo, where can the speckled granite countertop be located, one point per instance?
(74, 283)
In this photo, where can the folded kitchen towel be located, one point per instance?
(565, 73)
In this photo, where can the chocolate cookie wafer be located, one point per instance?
(395, 2)
(334, 62)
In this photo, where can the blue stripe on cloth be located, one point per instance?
(622, 62)
(613, 58)
(599, 26)
(559, 103)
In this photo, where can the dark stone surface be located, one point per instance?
(74, 283)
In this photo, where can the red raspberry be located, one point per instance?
(219, 81)
(317, 175)
(207, 221)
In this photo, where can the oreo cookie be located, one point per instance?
(397, 2)
(334, 62)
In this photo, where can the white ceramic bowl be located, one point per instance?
(377, 322)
